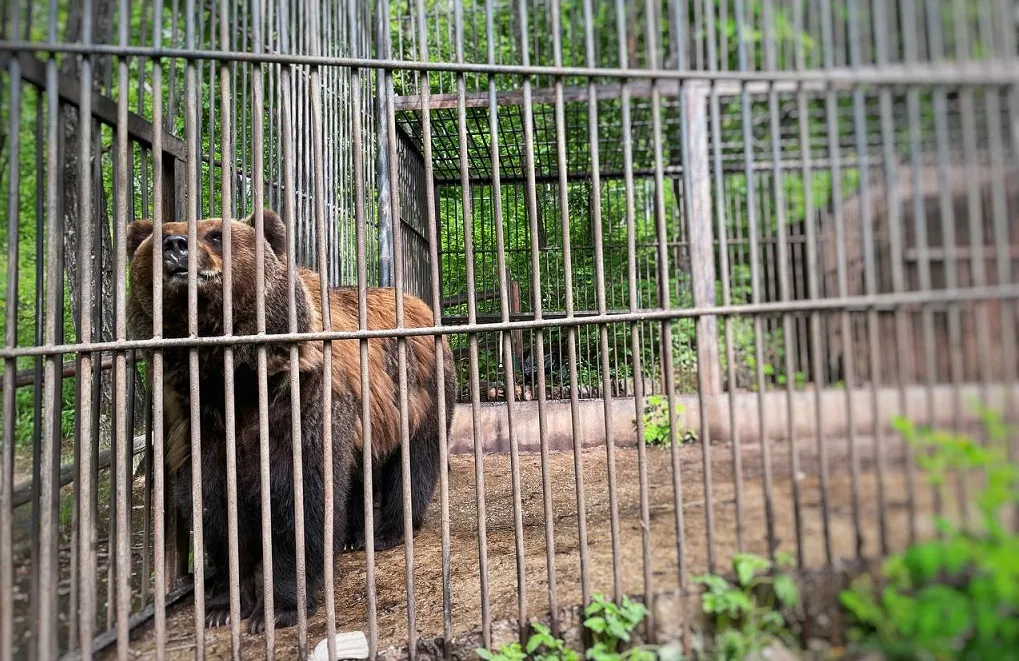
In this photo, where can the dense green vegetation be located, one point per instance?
(956, 596)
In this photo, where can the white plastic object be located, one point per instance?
(349, 645)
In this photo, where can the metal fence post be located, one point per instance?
(177, 538)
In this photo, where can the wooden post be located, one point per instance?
(702, 249)
(517, 335)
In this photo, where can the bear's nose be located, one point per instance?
(175, 253)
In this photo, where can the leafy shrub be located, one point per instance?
(611, 627)
(747, 615)
(956, 597)
(656, 422)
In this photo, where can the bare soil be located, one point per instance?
(853, 503)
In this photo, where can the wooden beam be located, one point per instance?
(640, 89)
(460, 299)
(104, 110)
(702, 250)
(23, 488)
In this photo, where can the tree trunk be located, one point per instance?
(100, 302)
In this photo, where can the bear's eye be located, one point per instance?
(216, 239)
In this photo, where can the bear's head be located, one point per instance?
(170, 253)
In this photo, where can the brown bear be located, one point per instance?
(423, 413)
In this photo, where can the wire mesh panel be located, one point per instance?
(523, 304)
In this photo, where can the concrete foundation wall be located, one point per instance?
(493, 423)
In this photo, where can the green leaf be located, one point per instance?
(896, 571)
(901, 609)
(634, 611)
(786, 591)
(734, 603)
(956, 554)
(640, 654)
(601, 652)
(715, 584)
(618, 630)
(923, 561)
(595, 624)
(859, 601)
(747, 566)
(773, 620)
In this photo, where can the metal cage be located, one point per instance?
(691, 257)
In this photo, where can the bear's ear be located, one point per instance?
(274, 229)
(137, 232)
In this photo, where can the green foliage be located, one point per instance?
(747, 614)
(510, 652)
(957, 596)
(611, 627)
(656, 422)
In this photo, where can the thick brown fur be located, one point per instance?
(347, 434)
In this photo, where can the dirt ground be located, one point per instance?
(663, 549)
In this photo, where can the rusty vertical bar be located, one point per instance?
(472, 313)
(40, 303)
(571, 331)
(974, 204)
(191, 107)
(724, 276)
(506, 306)
(436, 296)
(320, 184)
(10, 364)
(229, 411)
(162, 201)
(778, 191)
(831, 111)
(258, 8)
(631, 239)
(949, 248)
(599, 270)
(911, 57)
(209, 204)
(1002, 242)
(114, 436)
(86, 468)
(362, 306)
(896, 244)
(122, 475)
(869, 265)
(386, 213)
(665, 289)
(49, 455)
(813, 291)
(398, 281)
(535, 262)
(755, 273)
(702, 259)
(291, 149)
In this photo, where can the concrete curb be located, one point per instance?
(493, 424)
